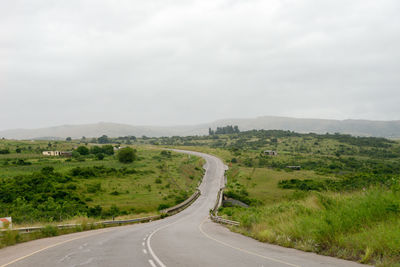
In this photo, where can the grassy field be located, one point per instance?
(46, 189)
(344, 202)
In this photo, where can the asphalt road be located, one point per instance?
(185, 239)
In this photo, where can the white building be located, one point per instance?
(270, 153)
(56, 153)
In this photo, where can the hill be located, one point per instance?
(389, 129)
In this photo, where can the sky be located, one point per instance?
(175, 62)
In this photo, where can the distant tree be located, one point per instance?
(18, 150)
(75, 154)
(96, 150)
(100, 156)
(210, 131)
(83, 150)
(229, 129)
(126, 155)
(103, 139)
(4, 151)
(68, 139)
(108, 150)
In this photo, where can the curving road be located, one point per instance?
(185, 239)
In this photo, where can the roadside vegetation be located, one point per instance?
(340, 197)
(332, 194)
(126, 182)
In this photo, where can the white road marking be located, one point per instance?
(242, 250)
(54, 245)
(152, 263)
(158, 229)
(144, 251)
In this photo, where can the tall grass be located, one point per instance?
(362, 226)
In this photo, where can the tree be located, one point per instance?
(100, 156)
(126, 155)
(96, 150)
(83, 150)
(108, 150)
(103, 139)
(68, 139)
(18, 150)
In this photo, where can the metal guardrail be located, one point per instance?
(214, 212)
(218, 219)
(169, 211)
(182, 205)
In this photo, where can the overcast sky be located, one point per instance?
(163, 62)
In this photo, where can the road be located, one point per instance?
(188, 238)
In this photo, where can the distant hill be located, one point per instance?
(389, 129)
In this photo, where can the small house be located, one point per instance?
(57, 153)
(270, 153)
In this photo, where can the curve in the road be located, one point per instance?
(188, 238)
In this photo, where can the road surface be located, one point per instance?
(185, 239)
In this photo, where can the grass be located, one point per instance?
(358, 220)
(156, 179)
(362, 226)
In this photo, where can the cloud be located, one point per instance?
(178, 62)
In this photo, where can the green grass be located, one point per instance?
(262, 183)
(362, 226)
(359, 219)
(155, 180)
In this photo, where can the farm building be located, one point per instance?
(57, 153)
(270, 153)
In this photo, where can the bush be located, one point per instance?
(4, 151)
(49, 230)
(93, 188)
(127, 155)
(10, 238)
(95, 211)
(100, 156)
(83, 150)
(108, 150)
(163, 206)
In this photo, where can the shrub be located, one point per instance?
(49, 230)
(4, 151)
(95, 211)
(83, 150)
(163, 206)
(93, 188)
(127, 155)
(100, 156)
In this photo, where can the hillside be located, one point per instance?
(389, 129)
